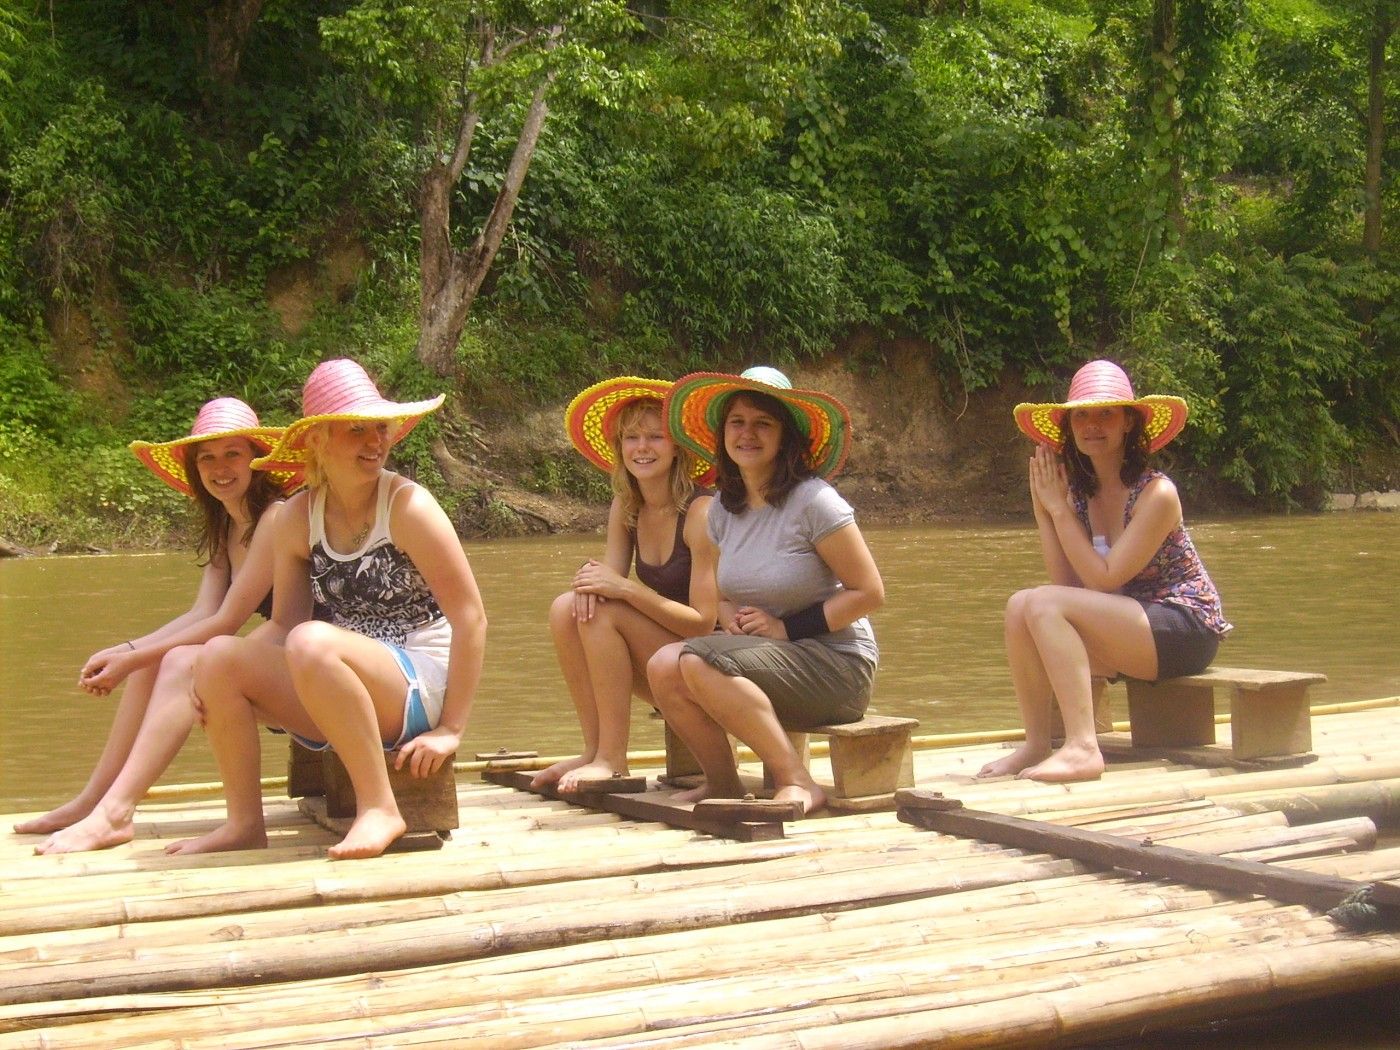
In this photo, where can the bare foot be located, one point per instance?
(692, 795)
(95, 831)
(1069, 764)
(64, 816)
(224, 837)
(592, 771)
(551, 774)
(811, 796)
(1023, 757)
(373, 832)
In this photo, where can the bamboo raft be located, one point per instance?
(541, 923)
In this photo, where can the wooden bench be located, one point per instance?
(870, 760)
(1269, 715)
(426, 803)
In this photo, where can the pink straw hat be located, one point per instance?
(1102, 383)
(342, 390)
(222, 417)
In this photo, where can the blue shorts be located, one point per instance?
(415, 717)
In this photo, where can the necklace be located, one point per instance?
(359, 537)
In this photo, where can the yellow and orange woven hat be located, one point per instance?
(591, 418)
(694, 405)
(1102, 383)
(222, 417)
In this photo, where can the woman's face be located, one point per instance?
(752, 436)
(647, 449)
(225, 468)
(360, 444)
(1099, 428)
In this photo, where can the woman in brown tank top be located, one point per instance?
(606, 626)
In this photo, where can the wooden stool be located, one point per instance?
(426, 803)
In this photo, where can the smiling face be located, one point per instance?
(225, 469)
(645, 448)
(1100, 429)
(752, 435)
(359, 443)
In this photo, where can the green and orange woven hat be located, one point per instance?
(695, 404)
(591, 418)
(223, 417)
(1102, 383)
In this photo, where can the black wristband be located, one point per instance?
(806, 623)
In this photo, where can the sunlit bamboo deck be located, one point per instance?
(543, 924)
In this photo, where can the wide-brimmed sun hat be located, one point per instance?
(591, 418)
(223, 417)
(341, 390)
(696, 401)
(1102, 383)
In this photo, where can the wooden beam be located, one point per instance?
(645, 807)
(1163, 862)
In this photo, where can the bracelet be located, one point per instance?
(130, 646)
(807, 623)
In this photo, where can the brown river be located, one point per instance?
(1306, 592)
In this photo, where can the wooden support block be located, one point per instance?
(615, 783)
(1270, 720)
(426, 803)
(1173, 713)
(505, 754)
(679, 761)
(870, 759)
(305, 778)
(755, 810)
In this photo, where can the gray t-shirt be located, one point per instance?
(768, 559)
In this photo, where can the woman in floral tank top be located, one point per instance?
(1127, 594)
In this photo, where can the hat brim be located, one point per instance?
(591, 419)
(290, 453)
(166, 460)
(693, 416)
(1164, 415)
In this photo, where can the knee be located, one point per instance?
(1016, 607)
(180, 661)
(663, 673)
(561, 613)
(310, 644)
(214, 664)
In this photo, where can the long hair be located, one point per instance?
(1083, 482)
(624, 485)
(262, 493)
(792, 466)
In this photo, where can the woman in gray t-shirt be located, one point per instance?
(796, 583)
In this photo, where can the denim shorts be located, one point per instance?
(415, 717)
(808, 682)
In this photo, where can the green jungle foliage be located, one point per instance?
(1018, 184)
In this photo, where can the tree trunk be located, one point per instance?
(228, 24)
(1164, 60)
(450, 279)
(1381, 30)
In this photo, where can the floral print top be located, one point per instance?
(1175, 575)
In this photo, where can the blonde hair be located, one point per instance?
(314, 471)
(624, 485)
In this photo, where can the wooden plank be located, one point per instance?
(645, 807)
(1163, 862)
(870, 725)
(1250, 678)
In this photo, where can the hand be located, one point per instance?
(103, 673)
(585, 605)
(1049, 482)
(594, 577)
(425, 754)
(753, 621)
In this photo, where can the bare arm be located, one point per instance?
(1057, 566)
(1156, 513)
(421, 530)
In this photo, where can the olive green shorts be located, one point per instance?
(808, 683)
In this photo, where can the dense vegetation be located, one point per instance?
(1203, 189)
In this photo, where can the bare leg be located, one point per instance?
(573, 663)
(169, 717)
(1077, 632)
(229, 673)
(705, 737)
(1033, 692)
(126, 723)
(617, 641)
(354, 690)
(743, 709)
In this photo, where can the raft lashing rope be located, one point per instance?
(1362, 913)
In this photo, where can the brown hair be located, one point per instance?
(792, 466)
(624, 485)
(262, 493)
(1082, 479)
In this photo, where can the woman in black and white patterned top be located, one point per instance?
(392, 660)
